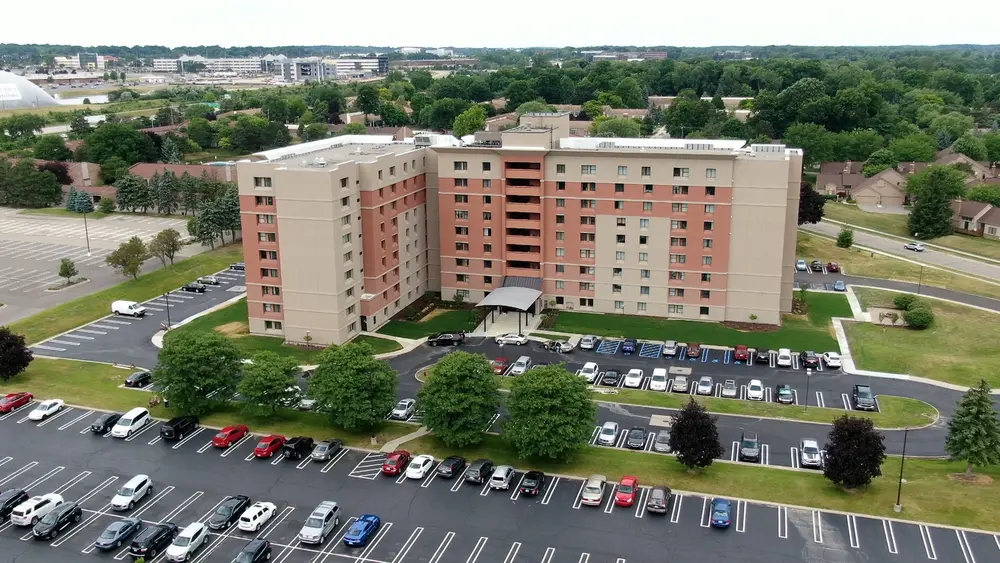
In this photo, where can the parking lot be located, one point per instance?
(426, 520)
(108, 232)
(126, 340)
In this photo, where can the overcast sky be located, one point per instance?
(507, 23)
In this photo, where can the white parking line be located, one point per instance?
(44, 347)
(512, 553)
(75, 420)
(88, 331)
(114, 322)
(925, 535)
(846, 400)
(817, 526)
(18, 473)
(610, 506)
(741, 516)
(579, 497)
(236, 444)
(819, 399)
(705, 519)
(148, 426)
(963, 543)
(783, 522)
(55, 416)
(93, 517)
(333, 461)
(408, 544)
(183, 441)
(549, 552)
(23, 407)
(439, 552)
(675, 510)
(105, 327)
(890, 537)
(640, 503)
(547, 497)
(78, 337)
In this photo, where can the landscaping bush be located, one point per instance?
(904, 300)
(846, 238)
(549, 320)
(106, 205)
(919, 317)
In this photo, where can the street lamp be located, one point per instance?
(920, 280)
(902, 461)
(809, 373)
(86, 232)
(167, 297)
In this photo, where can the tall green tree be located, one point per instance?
(694, 436)
(127, 190)
(470, 121)
(855, 451)
(22, 126)
(24, 185)
(393, 115)
(170, 152)
(631, 94)
(79, 127)
(189, 188)
(14, 354)
(51, 147)
(550, 414)
(367, 100)
(620, 127)
(914, 148)
(165, 245)
(814, 140)
(356, 389)
(166, 192)
(268, 383)
(972, 147)
(880, 160)
(974, 431)
(197, 370)
(986, 193)
(934, 188)
(122, 141)
(127, 259)
(460, 398)
(810, 204)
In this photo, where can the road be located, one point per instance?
(895, 247)
(819, 281)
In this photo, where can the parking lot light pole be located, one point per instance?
(902, 461)
(86, 232)
(167, 297)
(920, 280)
(809, 373)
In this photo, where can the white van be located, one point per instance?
(130, 308)
(658, 381)
(784, 357)
(131, 422)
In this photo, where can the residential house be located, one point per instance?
(844, 178)
(885, 189)
(838, 178)
(976, 218)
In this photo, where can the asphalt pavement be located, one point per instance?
(429, 520)
(821, 281)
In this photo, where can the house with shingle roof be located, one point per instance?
(976, 218)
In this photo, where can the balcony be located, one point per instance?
(523, 207)
(529, 191)
(523, 256)
(535, 224)
(525, 170)
(523, 240)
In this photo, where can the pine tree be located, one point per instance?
(694, 436)
(71, 199)
(84, 202)
(127, 190)
(166, 194)
(974, 431)
(189, 187)
(170, 152)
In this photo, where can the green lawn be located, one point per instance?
(896, 225)
(796, 332)
(96, 386)
(72, 314)
(232, 321)
(438, 320)
(862, 263)
(961, 347)
(929, 495)
(63, 212)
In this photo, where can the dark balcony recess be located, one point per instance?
(524, 199)
(523, 183)
(520, 216)
(523, 165)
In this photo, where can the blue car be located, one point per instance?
(628, 347)
(840, 286)
(362, 530)
(721, 509)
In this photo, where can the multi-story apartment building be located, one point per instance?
(81, 60)
(338, 235)
(701, 230)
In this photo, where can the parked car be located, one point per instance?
(763, 356)
(194, 287)
(658, 500)
(658, 381)
(784, 358)
(629, 346)
(9, 500)
(153, 540)
(593, 490)
(755, 390)
(256, 516)
(46, 409)
(831, 359)
(362, 530)
(403, 409)
(633, 379)
(117, 533)
(839, 285)
(589, 342)
(502, 475)
(321, 521)
(105, 422)
(559, 346)
(229, 435)
(816, 266)
(208, 280)
(610, 377)
(864, 399)
(809, 359)
(705, 385)
(419, 466)
(451, 466)
(670, 348)
(396, 462)
(729, 389)
(801, 266)
(512, 338)
(130, 308)
(131, 493)
(29, 512)
(662, 442)
(608, 435)
(131, 422)
(628, 489)
(589, 371)
(269, 445)
(479, 471)
(139, 379)
(229, 512)
(832, 267)
(693, 350)
(298, 447)
(721, 511)
(14, 401)
(636, 439)
(238, 266)
(178, 427)
(741, 353)
(680, 384)
(532, 483)
(500, 365)
(784, 394)
(749, 447)
(447, 339)
(188, 542)
(255, 551)
(521, 366)
(809, 454)
(914, 246)
(325, 450)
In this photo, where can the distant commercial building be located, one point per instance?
(249, 65)
(440, 52)
(91, 61)
(410, 50)
(345, 66)
(317, 69)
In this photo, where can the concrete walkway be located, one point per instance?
(394, 445)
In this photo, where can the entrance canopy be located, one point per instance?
(520, 298)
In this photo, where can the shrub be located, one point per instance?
(106, 205)
(846, 238)
(904, 300)
(919, 317)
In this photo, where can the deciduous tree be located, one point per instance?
(854, 452)
(51, 147)
(695, 437)
(974, 431)
(367, 100)
(268, 383)
(986, 193)
(972, 147)
(845, 239)
(621, 127)
(67, 269)
(355, 388)
(880, 160)
(470, 121)
(550, 414)
(355, 128)
(814, 140)
(127, 259)
(810, 204)
(165, 245)
(14, 354)
(914, 148)
(460, 398)
(196, 370)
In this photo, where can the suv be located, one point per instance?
(479, 470)
(809, 454)
(809, 359)
(57, 519)
(153, 540)
(208, 280)
(256, 551)
(324, 518)
(139, 379)
(658, 500)
(816, 266)
(501, 477)
(9, 499)
(447, 339)
(189, 541)
(104, 423)
(29, 512)
(298, 447)
(670, 348)
(178, 427)
(749, 447)
(864, 399)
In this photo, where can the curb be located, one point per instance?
(67, 287)
(157, 338)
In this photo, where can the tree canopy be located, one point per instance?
(459, 398)
(550, 414)
(854, 452)
(197, 370)
(974, 431)
(357, 390)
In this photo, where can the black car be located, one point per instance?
(658, 500)
(325, 450)
(256, 551)
(58, 518)
(194, 287)
(532, 483)
(298, 447)
(239, 266)
(9, 499)
(479, 471)
(636, 438)
(816, 266)
(117, 533)
(451, 466)
(749, 447)
(178, 427)
(153, 540)
(104, 423)
(229, 512)
(809, 359)
(763, 356)
(139, 379)
(784, 394)
(447, 339)
(610, 377)
(864, 399)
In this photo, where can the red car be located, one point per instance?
(500, 365)
(627, 489)
(269, 445)
(396, 462)
(694, 350)
(13, 401)
(832, 267)
(230, 435)
(741, 354)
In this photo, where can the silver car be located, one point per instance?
(588, 342)
(320, 523)
(609, 434)
(501, 477)
(662, 442)
(593, 490)
(403, 410)
(809, 454)
(730, 389)
(705, 385)
(680, 384)
(670, 348)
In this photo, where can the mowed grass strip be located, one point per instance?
(63, 212)
(438, 320)
(961, 347)
(83, 310)
(98, 386)
(863, 263)
(929, 494)
(813, 332)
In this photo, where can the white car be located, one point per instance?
(633, 379)
(681, 384)
(521, 366)
(705, 385)
(784, 358)
(831, 359)
(729, 389)
(187, 542)
(670, 348)
(418, 468)
(589, 371)
(512, 338)
(29, 512)
(755, 390)
(658, 381)
(588, 342)
(46, 409)
(256, 516)
(403, 410)
(914, 246)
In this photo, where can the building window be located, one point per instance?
(588, 169)
(265, 219)
(461, 214)
(640, 306)
(261, 182)
(706, 243)
(560, 185)
(560, 252)
(349, 292)
(560, 284)
(643, 223)
(706, 260)
(268, 272)
(644, 274)
(706, 294)
(682, 172)
(488, 264)
(616, 288)
(560, 202)
(679, 207)
(268, 255)
(461, 199)
(345, 201)
(619, 204)
(488, 280)
(587, 270)
(710, 191)
(268, 237)
(620, 305)
(462, 231)
(702, 310)
(588, 203)
(392, 172)
(706, 277)
(487, 248)
(353, 327)
(351, 309)
(647, 171)
(676, 224)
(462, 262)
(560, 235)
(616, 272)
(462, 246)
(587, 253)
(349, 275)
(588, 220)
(461, 182)
(488, 232)
(348, 256)
(619, 239)
(643, 240)
(678, 241)
(272, 308)
(487, 167)
(487, 183)
(676, 292)
(272, 325)
(462, 278)
(710, 172)
(620, 221)
(647, 206)
(623, 170)
(708, 225)
(588, 187)
(680, 190)
(619, 188)
(620, 255)
(586, 302)
(679, 276)
(380, 177)
(487, 216)
(647, 189)
(560, 269)
(644, 257)
(678, 259)
(270, 290)
(643, 290)
(675, 309)
(586, 286)
(560, 168)
(709, 208)
(560, 219)
(264, 200)
(487, 200)
(345, 220)
(346, 239)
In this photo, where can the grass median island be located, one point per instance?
(896, 225)
(97, 386)
(83, 310)
(895, 412)
(63, 212)
(930, 494)
(863, 263)
(438, 320)
(961, 347)
(811, 332)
